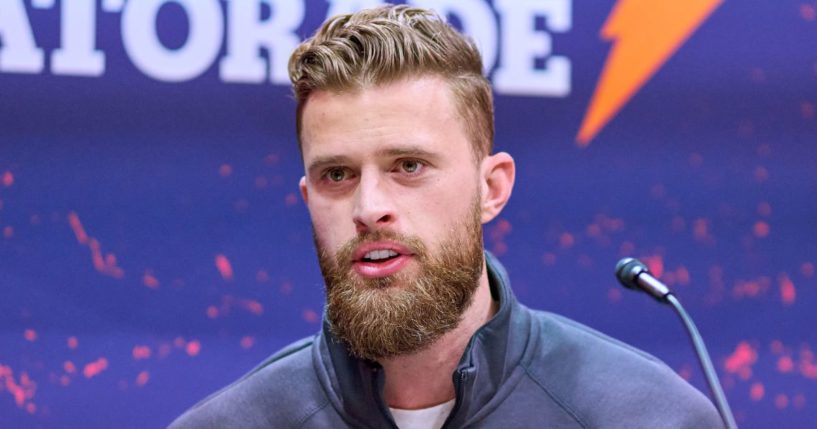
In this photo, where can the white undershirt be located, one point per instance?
(426, 418)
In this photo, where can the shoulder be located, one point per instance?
(282, 391)
(605, 382)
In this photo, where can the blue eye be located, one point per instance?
(410, 165)
(336, 174)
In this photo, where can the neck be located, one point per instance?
(423, 379)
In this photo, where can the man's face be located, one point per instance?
(393, 191)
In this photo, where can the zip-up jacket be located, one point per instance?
(522, 369)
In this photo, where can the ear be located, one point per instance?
(497, 177)
(304, 191)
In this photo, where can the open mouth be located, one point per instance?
(373, 260)
(379, 256)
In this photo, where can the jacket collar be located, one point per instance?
(355, 386)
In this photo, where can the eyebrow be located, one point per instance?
(322, 162)
(412, 151)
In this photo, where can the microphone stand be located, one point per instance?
(706, 363)
(633, 274)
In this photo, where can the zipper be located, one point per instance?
(381, 404)
(460, 380)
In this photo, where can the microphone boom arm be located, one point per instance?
(706, 363)
(633, 274)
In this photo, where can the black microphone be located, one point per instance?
(633, 274)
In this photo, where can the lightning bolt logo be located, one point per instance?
(645, 34)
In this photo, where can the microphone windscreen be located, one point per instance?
(628, 269)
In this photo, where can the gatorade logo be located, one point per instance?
(645, 34)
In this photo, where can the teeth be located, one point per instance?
(377, 255)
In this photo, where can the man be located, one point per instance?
(395, 124)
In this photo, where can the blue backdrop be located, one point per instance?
(153, 245)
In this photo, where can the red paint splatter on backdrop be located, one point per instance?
(566, 240)
(228, 302)
(23, 390)
(72, 343)
(700, 230)
(614, 294)
(69, 367)
(105, 265)
(142, 378)
(225, 170)
(781, 401)
(30, 335)
(741, 360)
(799, 401)
(655, 263)
(212, 312)
(497, 233)
(8, 232)
(685, 372)
(549, 259)
(787, 291)
(271, 159)
(751, 288)
(92, 369)
(808, 368)
(679, 276)
(247, 342)
(141, 352)
(149, 280)
(310, 316)
(290, 200)
(808, 12)
(252, 306)
(193, 348)
(761, 229)
(785, 364)
(224, 267)
(757, 391)
(76, 226)
(807, 269)
(8, 179)
(286, 287)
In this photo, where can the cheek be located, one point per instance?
(331, 225)
(447, 207)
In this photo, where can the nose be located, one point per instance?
(373, 208)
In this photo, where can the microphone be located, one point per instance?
(633, 274)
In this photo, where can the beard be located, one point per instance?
(406, 312)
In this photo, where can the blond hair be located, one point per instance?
(389, 43)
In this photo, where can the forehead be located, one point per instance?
(415, 112)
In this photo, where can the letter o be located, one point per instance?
(147, 52)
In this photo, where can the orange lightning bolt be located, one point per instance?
(646, 34)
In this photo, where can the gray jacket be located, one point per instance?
(522, 369)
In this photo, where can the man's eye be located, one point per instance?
(336, 174)
(410, 165)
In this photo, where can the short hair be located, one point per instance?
(389, 43)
